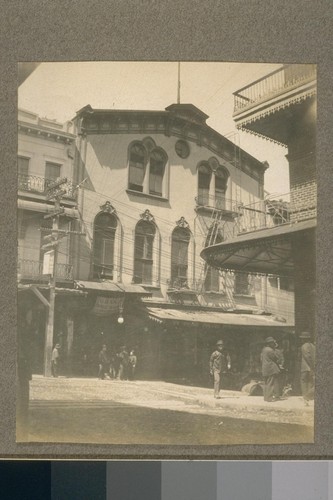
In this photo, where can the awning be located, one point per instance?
(110, 286)
(215, 317)
(60, 291)
(37, 206)
(267, 251)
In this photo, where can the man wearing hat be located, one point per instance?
(270, 370)
(308, 352)
(55, 360)
(219, 363)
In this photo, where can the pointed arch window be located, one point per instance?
(204, 178)
(143, 252)
(179, 256)
(136, 167)
(147, 168)
(220, 187)
(104, 238)
(156, 172)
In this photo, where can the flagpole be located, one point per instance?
(178, 90)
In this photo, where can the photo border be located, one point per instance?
(167, 31)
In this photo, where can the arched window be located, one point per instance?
(156, 172)
(143, 252)
(204, 178)
(179, 256)
(220, 187)
(104, 236)
(136, 167)
(147, 167)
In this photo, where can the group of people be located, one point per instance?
(272, 366)
(120, 366)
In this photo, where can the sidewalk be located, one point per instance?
(83, 392)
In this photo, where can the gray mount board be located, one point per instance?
(250, 31)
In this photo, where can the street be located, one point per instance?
(141, 412)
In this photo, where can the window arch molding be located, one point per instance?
(212, 183)
(107, 244)
(147, 245)
(148, 168)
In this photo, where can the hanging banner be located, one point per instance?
(105, 306)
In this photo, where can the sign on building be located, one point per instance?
(48, 262)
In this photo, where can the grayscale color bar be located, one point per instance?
(304, 480)
(244, 481)
(188, 480)
(129, 480)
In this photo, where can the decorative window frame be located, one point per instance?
(191, 256)
(107, 207)
(156, 269)
(149, 146)
(214, 165)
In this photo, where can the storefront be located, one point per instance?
(188, 337)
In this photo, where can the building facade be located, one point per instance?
(46, 150)
(145, 192)
(281, 107)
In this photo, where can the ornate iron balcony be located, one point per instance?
(33, 269)
(275, 212)
(38, 184)
(273, 84)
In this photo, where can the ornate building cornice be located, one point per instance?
(45, 133)
(187, 124)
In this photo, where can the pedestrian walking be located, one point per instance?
(103, 363)
(124, 362)
(55, 360)
(132, 365)
(270, 370)
(308, 352)
(219, 363)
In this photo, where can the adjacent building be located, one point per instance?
(280, 107)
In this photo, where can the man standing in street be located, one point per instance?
(103, 363)
(219, 363)
(270, 370)
(124, 362)
(308, 352)
(55, 360)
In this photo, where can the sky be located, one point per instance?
(57, 90)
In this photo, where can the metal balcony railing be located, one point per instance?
(277, 82)
(38, 184)
(218, 202)
(274, 212)
(33, 269)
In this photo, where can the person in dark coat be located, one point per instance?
(308, 352)
(219, 363)
(124, 363)
(270, 370)
(103, 363)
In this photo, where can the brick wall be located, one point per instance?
(302, 171)
(305, 281)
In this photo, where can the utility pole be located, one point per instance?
(55, 192)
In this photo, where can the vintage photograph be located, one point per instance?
(166, 276)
